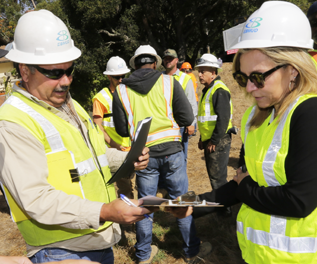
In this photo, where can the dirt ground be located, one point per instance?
(220, 232)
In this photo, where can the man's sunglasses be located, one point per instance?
(118, 77)
(256, 77)
(55, 74)
(202, 61)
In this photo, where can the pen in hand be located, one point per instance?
(127, 201)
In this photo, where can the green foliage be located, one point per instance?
(105, 28)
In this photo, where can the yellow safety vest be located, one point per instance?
(157, 104)
(72, 167)
(265, 238)
(182, 78)
(207, 117)
(105, 97)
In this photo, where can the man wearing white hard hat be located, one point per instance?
(53, 160)
(146, 93)
(102, 116)
(214, 119)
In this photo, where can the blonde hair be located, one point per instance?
(305, 83)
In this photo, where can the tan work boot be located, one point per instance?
(154, 251)
(204, 249)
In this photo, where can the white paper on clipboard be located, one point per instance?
(138, 144)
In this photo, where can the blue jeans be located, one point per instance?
(104, 256)
(171, 170)
(184, 143)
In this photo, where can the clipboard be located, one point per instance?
(138, 144)
(185, 200)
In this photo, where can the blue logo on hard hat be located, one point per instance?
(120, 66)
(254, 22)
(62, 37)
(252, 25)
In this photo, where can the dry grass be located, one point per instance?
(220, 232)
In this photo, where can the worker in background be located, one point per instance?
(214, 119)
(102, 105)
(187, 68)
(149, 93)
(170, 60)
(53, 158)
(102, 115)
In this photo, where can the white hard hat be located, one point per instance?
(42, 38)
(145, 49)
(276, 24)
(209, 60)
(116, 66)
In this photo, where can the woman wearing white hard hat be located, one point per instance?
(102, 116)
(102, 104)
(277, 220)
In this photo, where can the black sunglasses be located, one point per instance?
(55, 74)
(118, 77)
(257, 78)
(202, 61)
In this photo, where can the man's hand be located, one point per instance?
(15, 260)
(211, 148)
(240, 175)
(143, 160)
(190, 130)
(200, 145)
(180, 212)
(119, 212)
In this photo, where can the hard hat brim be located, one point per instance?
(158, 59)
(253, 44)
(116, 73)
(47, 59)
(209, 65)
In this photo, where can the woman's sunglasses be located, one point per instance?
(256, 77)
(118, 77)
(55, 74)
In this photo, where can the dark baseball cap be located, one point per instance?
(312, 9)
(170, 53)
(3, 53)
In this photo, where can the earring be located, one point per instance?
(290, 84)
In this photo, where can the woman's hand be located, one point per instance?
(240, 175)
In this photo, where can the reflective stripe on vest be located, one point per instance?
(109, 101)
(182, 79)
(53, 137)
(127, 106)
(207, 117)
(168, 97)
(276, 238)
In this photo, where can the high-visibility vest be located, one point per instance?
(72, 167)
(182, 78)
(105, 97)
(157, 103)
(207, 117)
(192, 76)
(265, 238)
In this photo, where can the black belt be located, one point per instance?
(107, 115)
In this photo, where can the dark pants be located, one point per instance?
(217, 161)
